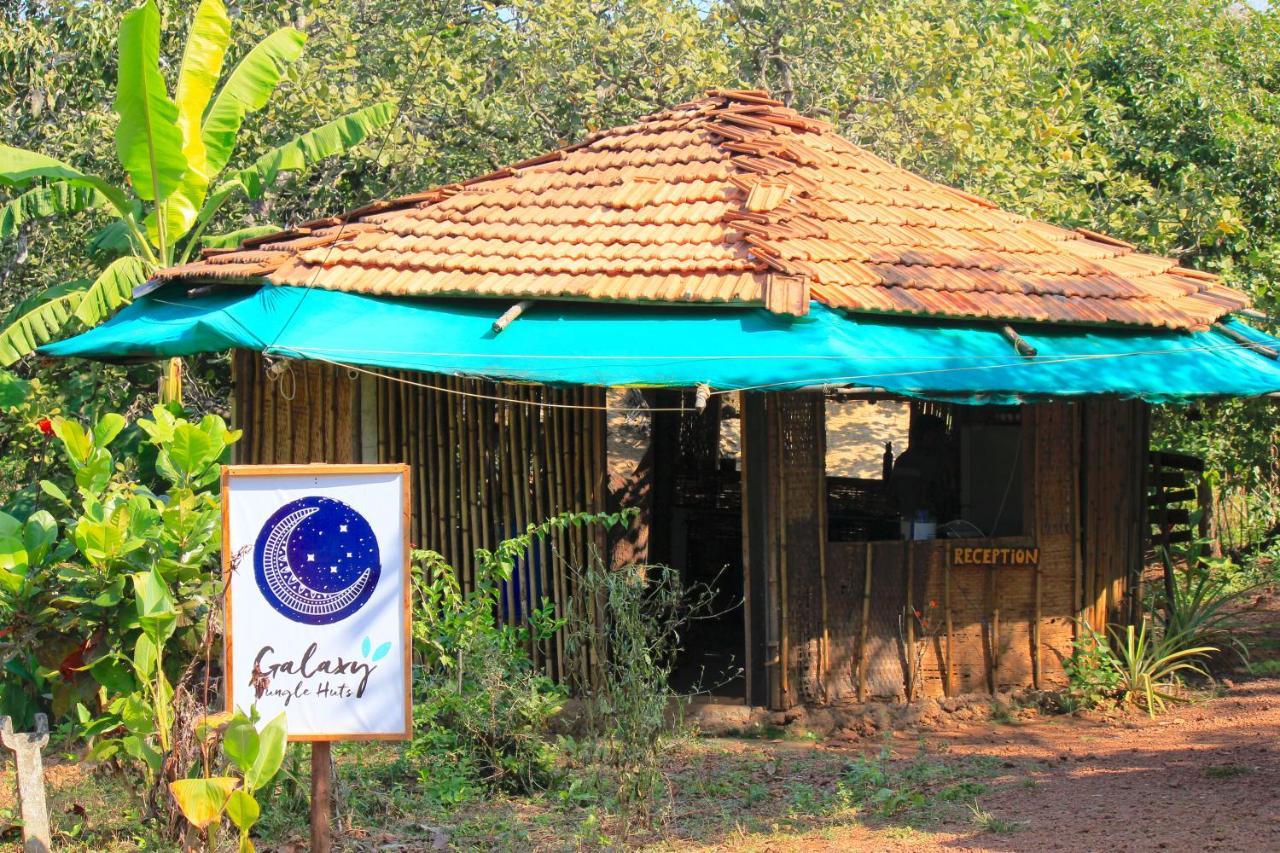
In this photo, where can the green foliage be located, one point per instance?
(1092, 672)
(624, 631)
(1150, 667)
(481, 709)
(255, 755)
(172, 153)
(108, 601)
(1204, 608)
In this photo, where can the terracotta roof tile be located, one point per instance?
(703, 203)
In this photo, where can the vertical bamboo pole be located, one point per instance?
(466, 450)
(423, 411)
(505, 478)
(992, 594)
(448, 401)
(380, 421)
(949, 684)
(485, 418)
(417, 484)
(862, 629)
(553, 648)
(911, 617)
(1077, 501)
(784, 638)
(529, 575)
(820, 415)
(438, 403)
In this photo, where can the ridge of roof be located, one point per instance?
(732, 198)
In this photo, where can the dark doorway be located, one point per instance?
(696, 529)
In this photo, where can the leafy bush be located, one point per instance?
(482, 710)
(623, 634)
(105, 613)
(1092, 674)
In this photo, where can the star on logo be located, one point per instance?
(311, 558)
(342, 528)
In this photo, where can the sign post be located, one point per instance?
(316, 561)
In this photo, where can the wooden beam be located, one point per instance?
(1244, 341)
(1020, 343)
(511, 315)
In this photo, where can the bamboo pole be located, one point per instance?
(948, 687)
(992, 593)
(785, 601)
(911, 616)
(1039, 604)
(825, 658)
(466, 481)
(529, 576)
(553, 649)
(862, 629)
(440, 474)
(452, 494)
(505, 477)
(425, 471)
(485, 419)
(380, 401)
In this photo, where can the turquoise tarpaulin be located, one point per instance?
(665, 346)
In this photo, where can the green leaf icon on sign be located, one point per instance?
(365, 645)
(382, 651)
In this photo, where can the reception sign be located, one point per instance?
(317, 600)
(995, 557)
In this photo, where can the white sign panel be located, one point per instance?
(317, 601)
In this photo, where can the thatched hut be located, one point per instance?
(749, 269)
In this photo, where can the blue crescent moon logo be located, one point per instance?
(316, 560)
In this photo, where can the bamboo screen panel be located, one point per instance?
(801, 497)
(487, 461)
(308, 414)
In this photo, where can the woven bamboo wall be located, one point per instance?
(309, 414)
(486, 461)
(799, 452)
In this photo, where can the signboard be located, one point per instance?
(994, 556)
(317, 597)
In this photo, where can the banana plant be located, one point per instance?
(176, 150)
(256, 754)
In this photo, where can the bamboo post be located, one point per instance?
(784, 656)
(911, 616)
(461, 497)
(438, 401)
(993, 593)
(1039, 610)
(529, 577)
(825, 662)
(948, 687)
(505, 477)
(862, 629)
(453, 491)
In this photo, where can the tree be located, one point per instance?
(175, 152)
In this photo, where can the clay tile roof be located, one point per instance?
(731, 199)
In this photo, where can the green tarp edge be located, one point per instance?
(665, 346)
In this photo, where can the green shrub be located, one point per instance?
(623, 634)
(482, 710)
(94, 599)
(1203, 610)
(1150, 666)
(1092, 675)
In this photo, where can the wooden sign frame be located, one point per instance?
(229, 569)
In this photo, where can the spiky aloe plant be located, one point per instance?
(1150, 668)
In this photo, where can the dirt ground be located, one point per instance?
(1205, 776)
